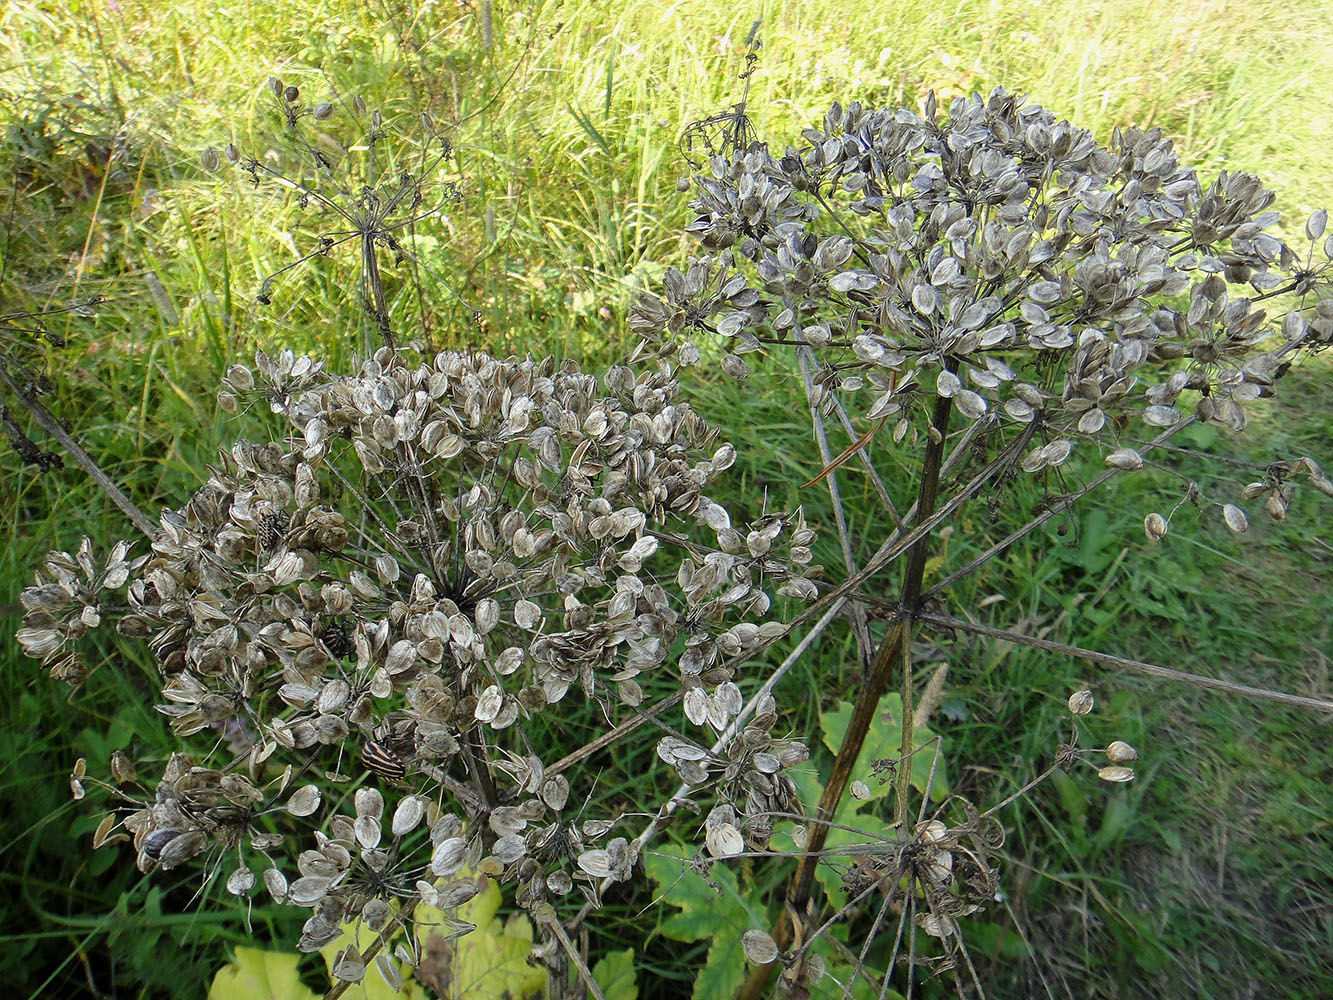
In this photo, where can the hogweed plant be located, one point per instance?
(1062, 298)
(382, 633)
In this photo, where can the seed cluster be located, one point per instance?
(430, 557)
(1006, 261)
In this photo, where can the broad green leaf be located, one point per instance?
(615, 976)
(489, 963)
(882, 743)
(260, 975)
(719, 914)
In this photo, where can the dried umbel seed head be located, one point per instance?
(1080, 702)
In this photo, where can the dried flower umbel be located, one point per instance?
(430, 558)
(367, 199)
(1059, 295)
(1047, 286)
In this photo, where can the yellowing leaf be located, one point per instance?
(373, 986)
(615, 976)
(489, 963)
(260, 975)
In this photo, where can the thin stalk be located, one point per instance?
(47, 421)
(1138, 666)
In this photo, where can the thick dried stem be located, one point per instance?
(894, 651)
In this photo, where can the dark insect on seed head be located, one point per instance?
(383, 762)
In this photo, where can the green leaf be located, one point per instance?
(882, 743)
(615, 976)
(489, 963)
(260, 975)
(716, 913)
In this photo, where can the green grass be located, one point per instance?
(1208, 876)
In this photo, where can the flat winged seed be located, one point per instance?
(860, 790)
(947, 384)
(1161, 416)
(1154, 526)
(596, 863)
(1080, 702)
(487, 615)
(308, 890)
(240, 882)
(759, 947)
(526, 614)
(1314, 226)
(368, 831)
(489, 704)
(1035, 460)
(1091, 421)
(1058, 451)
(1121, 752)
(386, 568)
(1125, 458)
(555, 792)
(427, 892)
(1019, 410)
(349, 966)
(1116, 773)
(388, 972)
(510, 848)
(408, 814)
(696, 705)
(724, 841)
(304, 801)
(103, 830)
(276, 884)
(970, 404)
(401, 656)
(369, 802)
(1235, 518)
(448, 856)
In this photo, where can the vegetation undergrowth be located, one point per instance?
(1206, 875)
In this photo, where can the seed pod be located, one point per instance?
(759, 947)
(210, 160)
(1125, 458)
(322, 111)
(1154, 526)
(291, 94)
(1234, 518)
(1116, 774)
(1080, 702)
(1121, 752)
(304, 801)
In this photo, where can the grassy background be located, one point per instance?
(1209, 876)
